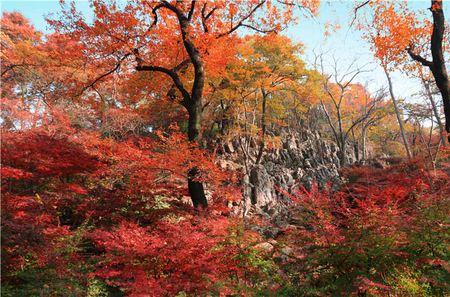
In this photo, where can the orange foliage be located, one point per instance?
(392, 30)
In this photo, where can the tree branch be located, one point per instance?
(419, 58)
(241, 22)
(205, 16)
(191, 11)
(173, 75)
(117, 66)
(355, 11)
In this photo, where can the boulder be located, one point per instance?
(265, 247)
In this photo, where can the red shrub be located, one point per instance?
(359, 237)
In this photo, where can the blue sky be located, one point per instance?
(345, 44)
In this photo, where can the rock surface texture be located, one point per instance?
(302, 158)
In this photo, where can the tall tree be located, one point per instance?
(345, 103)
(434, 107)
(183, 40)
(437, 64)
(397, 33)
(398, 114)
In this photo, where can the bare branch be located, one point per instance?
(355, 11)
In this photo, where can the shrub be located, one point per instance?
(385, 233)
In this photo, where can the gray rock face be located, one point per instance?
(302, 159)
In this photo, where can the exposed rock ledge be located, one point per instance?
(304, 158)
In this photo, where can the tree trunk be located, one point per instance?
(356, 150)
(364, 153)
(435, 111)
(342, 144)
(397, 113)
(342, 154)
(196, 189)
(438, 66)
(263, 127)
(194, 107)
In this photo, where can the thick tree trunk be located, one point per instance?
(194, 107)
(444, 88)
(342, 154)
(196, 189)
(438, 66)
(397, 113)
(194, 122)
(356, 150)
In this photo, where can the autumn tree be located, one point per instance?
(23, 84)
(180, 40)
(429, 91)
(19, 42)
(265, 87)
(367, 235)
(346, 104)
(437, 65)
(396, 34)
(398, 114)
(424, 142)
(65, 186)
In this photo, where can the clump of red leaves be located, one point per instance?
(359, 238)
(189, 256)
(70, 197)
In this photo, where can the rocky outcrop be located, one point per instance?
(303, 158)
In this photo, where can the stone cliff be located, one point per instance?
(303, 158)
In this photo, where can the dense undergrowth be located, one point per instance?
(90, 216)
(384, 233)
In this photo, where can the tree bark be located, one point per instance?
(192, 100)
(356, 150)
(263, 127)
(435, 111)
(342, 153)
(195, 187)
(193, 105)
(364, 153)
(397, 113)
(437, 66)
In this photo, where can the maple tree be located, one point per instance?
(60, 172)
(172, 38)
(397, 33)
(269, 84)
